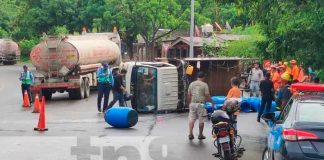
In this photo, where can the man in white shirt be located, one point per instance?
(255, 79)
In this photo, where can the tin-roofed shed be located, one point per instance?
(219, 71)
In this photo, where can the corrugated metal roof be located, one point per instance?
(217, 59)
(199, 41)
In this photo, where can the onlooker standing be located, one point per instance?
(284, 93)
(256, 77)
(317, 80)
(198, 93)
(267, 94)
(118, 89)
(294, 70)
(301, 74)
(287, 68)
(311, 73)
(275, 77)
(105, 82)
(26, 78)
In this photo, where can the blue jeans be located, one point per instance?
(255, 88)
(103, 91)
(117, 97)
(26, 87)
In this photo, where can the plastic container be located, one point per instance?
(245, 105)
(272, 109)
(121, 117)
(218, 106)
(218, 99)
(209, 107)
(189, 70)
(255, 103)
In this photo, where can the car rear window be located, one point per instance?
(310, 112)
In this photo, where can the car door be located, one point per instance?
(275, 138)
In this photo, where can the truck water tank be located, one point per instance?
(57, 57)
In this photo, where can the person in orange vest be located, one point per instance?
(287, 68)
(301, 74)
(294, 70)
(275, 77)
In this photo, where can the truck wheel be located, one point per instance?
(80, 91)
(72, 94)
(47, 94)
(87, 88)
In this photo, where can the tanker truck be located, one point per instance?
(9, 52)
(69, 64)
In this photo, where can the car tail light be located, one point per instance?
(222, 133)
(294, 135)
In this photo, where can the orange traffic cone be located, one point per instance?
(41, 121)
(26, 100)
(36, 104)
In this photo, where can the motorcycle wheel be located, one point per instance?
(227, 155)
(238, 141)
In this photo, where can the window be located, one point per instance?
(284, 113)
(310, 112)
(146, 87)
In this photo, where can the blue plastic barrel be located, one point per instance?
(218, 99)
(245, 105)
(121, 117)
(272, 109)
(218, 106)
(255, 103)
(273, 106)
(209, 107)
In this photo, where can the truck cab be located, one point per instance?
(154, 86)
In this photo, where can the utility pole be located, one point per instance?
(192, 20)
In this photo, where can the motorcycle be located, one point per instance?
(227, 141)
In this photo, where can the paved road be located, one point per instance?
(77, 131)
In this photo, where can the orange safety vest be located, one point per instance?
(295, 72)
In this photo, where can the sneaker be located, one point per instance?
(191, 137)
(201, 137)
(99, 110)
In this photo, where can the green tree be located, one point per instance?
(40, 16)
(147, 17)
(248, 45)
(293, 29)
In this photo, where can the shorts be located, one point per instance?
(197, 111)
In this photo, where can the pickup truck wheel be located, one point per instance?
(87, 88)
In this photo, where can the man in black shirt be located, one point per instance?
(118, 89)
(267, 94)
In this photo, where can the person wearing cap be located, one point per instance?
(294, 70)
(255, 79)
(301, 74)
(275, 77)
(105, 82)
(198, 94)
(26, 78)
(284, 92)
(287, 68)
